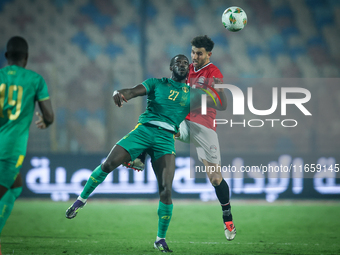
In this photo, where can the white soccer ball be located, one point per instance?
(234, 19)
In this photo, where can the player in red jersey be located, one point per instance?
(199, 129)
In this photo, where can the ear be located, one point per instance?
(171, 68)
(209, 54)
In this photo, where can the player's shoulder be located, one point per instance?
(28, 73)
(212, 68)
(6, 70)
(23, 72)
(154, 83)
(157, 80)
(214, 71)
(32, 73)
(164, 80)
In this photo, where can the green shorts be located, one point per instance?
(9, 170)
(155, 140)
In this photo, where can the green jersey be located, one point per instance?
(19, 90)
(168, 102)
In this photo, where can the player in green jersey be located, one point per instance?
(20, 89)
(154, 134)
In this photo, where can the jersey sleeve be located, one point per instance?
(149, 84)
(42, 90)
(217, 74)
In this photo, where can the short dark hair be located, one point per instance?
(203, 41)
(172, 62)
(17, 48)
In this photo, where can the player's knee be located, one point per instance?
(108, 166)
(165, 194)
(215, 180)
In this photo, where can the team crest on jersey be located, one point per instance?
(213, 148)
(201, 80)
(185, 89)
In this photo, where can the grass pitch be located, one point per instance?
(130, 227)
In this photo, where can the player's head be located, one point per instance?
(201, 47)
(179, 65)
(17, 51)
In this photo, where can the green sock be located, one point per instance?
(96, 178)
(6, 205)
(164, 217)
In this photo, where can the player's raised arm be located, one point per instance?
(47, 116)
(212, 102)
(218, 106)
(119, 96)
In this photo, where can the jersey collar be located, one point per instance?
(176, 83)
(201, 67)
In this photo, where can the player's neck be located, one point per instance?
(199, 67)
(177, 79)
(17, 63)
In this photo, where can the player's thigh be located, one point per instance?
(117, 156)
(9, 171)
(206, 142)
(136, 141)
(18, 182)
(163, 144)
(164, 168)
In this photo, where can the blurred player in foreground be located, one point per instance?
(154, 134)
(20, 89)
(199, 129)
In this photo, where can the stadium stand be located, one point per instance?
(87, 48)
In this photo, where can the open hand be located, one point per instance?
(217, 81)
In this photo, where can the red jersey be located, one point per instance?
(196, 78)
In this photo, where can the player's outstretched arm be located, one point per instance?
(124, 95)
(46, 117)
(218, 106)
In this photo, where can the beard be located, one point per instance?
(180, 77)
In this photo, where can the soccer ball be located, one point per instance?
(234, 19)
